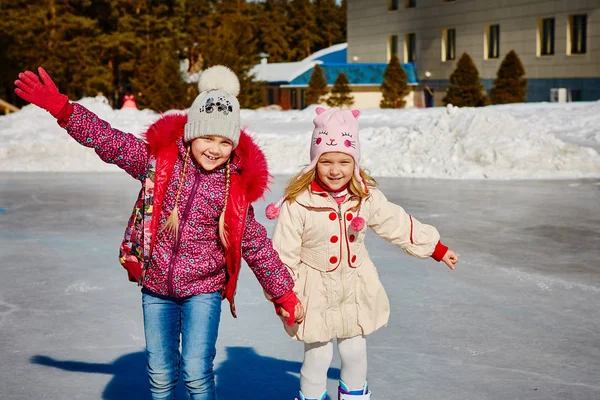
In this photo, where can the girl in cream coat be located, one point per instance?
(320, 235)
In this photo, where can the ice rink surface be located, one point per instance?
(518, 319)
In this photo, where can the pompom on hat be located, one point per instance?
(216, 110)
(335, 130)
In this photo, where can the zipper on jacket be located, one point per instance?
(180, 232)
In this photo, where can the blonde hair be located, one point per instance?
(222, 230)
(301, 182)
(172, 223)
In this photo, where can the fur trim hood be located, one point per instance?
(249, 159)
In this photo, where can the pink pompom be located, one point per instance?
(272, 211)
(357, 224)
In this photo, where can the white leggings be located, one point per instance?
(317, 359)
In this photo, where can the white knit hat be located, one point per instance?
(216, 110)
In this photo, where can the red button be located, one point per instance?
(332, 216)
(349, 217)
(352, 238)
(353, 258)
(333, 260)
(334, 239)
(324, 195)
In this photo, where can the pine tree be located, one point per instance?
(103, 45)
(395, 85)
(317, 86)
(56, 35)
(303, 24)
(327, 11)
(341, 94)
(157, 81)
(465, 89)
(231, 41)
(272, 29)
(509, 86)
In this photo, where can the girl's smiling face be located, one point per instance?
(211, 151)
(335, 169)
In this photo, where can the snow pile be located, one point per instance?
(457, 143)
(521, 141)
(31, 140)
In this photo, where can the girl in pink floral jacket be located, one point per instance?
(206, 172)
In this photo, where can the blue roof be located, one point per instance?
(334, 57)
(357, 73)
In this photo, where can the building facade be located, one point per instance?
(557, 41)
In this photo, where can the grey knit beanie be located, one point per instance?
(216, 110)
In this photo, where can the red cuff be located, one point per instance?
(63, 116)
(439, 252)
(279, 301)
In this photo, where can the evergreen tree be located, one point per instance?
(317, 86)
(232, 41)
(341, 94)
(273, 29)
(465, 89)
(304, 29)
(196, 21)
(53, 34)
(328, 23)
(105, 45)
(509, 86)
(395, 85)
(157, 81)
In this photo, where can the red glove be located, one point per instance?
(288, 302)
(43, 93)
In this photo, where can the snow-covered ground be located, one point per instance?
(517, 319)
(523, 141)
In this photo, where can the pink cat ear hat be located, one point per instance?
(335, 131)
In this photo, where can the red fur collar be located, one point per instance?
(252, 163)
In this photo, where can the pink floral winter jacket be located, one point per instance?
(194, 262)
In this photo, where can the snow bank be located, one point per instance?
(520, 141)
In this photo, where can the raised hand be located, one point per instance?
(41, 91)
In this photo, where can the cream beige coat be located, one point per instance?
(334, 277)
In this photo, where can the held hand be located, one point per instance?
(298, 313)
(450, 258)
(289, 307)
(41, 92)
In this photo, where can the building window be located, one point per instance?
(392, 5)
(410, 3)
(492, 42)
(392, 46)
(546, 37)
(448, 44)
(410, 47)
(577, 34)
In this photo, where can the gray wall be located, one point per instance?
(370, 24)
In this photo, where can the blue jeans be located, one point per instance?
(196, 320)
